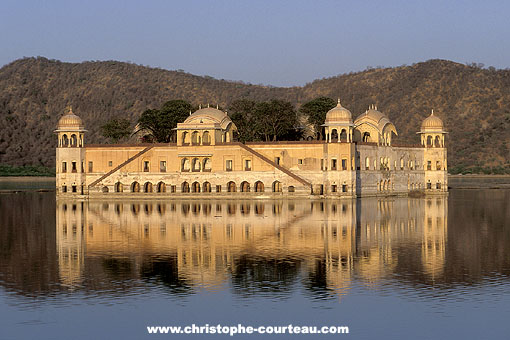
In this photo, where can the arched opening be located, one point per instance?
(438, 165)
(334, 135)
(185, 187)
(105, 189)
(206, 138)
(259, 186)
(185, 137)
(161, 187)
(65, 141)
(291, 188)
(74, 141)
(245, 187)
(343, 136)
(231, 187)
(195, 138)
(206, 165)
(367, 163)
(206, 187)
(195, 187)
(185, 166)
(437, 142)
(429, 141)
(195, 165)
(147, 187)
(119, 187)
(277, 186)
(366, 136)
(135, 187)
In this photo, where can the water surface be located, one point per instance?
(391, 268)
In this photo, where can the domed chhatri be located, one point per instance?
(209, 115)
(432, 122)
(70, 121)
(338, 114)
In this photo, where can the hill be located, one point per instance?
(473, 102)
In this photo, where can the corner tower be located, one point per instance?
(338, 125)
(70, 157)
(434, 164)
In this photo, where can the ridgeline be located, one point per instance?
(474, 103)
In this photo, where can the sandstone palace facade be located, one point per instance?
(358, 158)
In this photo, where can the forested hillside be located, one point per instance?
(473, 102)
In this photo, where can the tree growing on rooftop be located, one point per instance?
(315, 110)
(116, 129)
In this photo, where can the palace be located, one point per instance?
(358, 158)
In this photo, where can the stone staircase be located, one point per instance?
(129, 160)
(277, 166)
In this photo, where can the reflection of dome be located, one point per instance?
(432, 123)
(209, 115)
(70, 120)
(338, 114)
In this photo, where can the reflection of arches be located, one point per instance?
(195, 138)
(195, 187)
(195, 165)
(185, 187)
(334, 135)
(105, 189)
(207, 187)
(366, 136)
(277, 186)
(147, 187)
(259, 209)
(245, 187)
(161, 187)
(206, 138)
(259, 186)
(231, 187)
(291, 188)
(185, 164)
(135, 187)
(245, 209)
(206, 164)
(231, 209)
(119, 187)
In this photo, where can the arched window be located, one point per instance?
(231, 187)
(259, 186)
(135, 187)
(334, 135)
(65, 141)
(366, 136)
(185, 164)
(195, 165)
(291, 188)
(185, 137)
(161, 187)
(185, 187)
(74, 141)
(367, 163)
(119, 187)
(206, 138)
(105, 189)
(277, 186)
(245, 187)
(195, 138)
(429, 140)
(401, 164)
(147, 187)
(207, 187)
(438, 165)
(195, 187)
(343, 135)
(437, 142)
(206, 165)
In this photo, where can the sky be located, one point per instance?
(280, 43)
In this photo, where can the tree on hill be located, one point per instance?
(315, 110)
(116, 129)
(161, 123)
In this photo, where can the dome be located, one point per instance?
(338, 114)
(432, 122)
(375, 118)
(70, 121)
(208, 116)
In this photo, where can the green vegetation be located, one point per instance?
(487, 170)
(316, 110)
(472, 101)
(159, 123)
(116, 129)
(26, 170)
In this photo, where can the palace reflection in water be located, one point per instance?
(258, 245)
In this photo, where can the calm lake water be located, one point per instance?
(388, 268)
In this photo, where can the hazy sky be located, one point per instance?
(269, 42)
